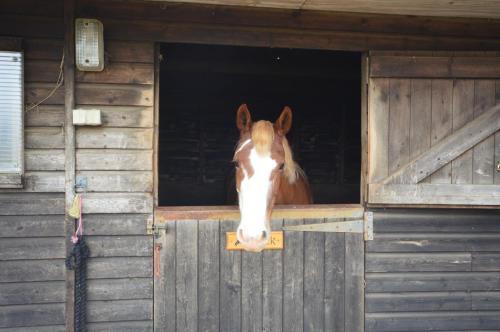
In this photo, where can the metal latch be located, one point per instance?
(364, 226)
(154, 229)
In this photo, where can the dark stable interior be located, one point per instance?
(202, 86)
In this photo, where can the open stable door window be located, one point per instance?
(11, 119)
(434, 126)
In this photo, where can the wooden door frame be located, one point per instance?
(159, 210)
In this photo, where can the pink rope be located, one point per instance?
(79, 230)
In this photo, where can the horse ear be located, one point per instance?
(284, 122)
(243, 118)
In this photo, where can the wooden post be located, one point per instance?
(69, 144)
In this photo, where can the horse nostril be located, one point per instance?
(264, 234)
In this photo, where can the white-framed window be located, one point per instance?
(11, 119)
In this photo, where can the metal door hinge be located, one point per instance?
(154, 229)
(364, 226)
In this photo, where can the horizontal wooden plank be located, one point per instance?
(31, 226)
(42, 182)
(125, 310)
(127, 116)
(448, 148)
(116, 224)
(417, 301)
(13, 180)
(46, 328)
(32, 7)
(337, 211)
(485, 300)
(288, 18)
(31, 203)
(432, 321)
(46, 71)
(32, 248)
(118, 203)
(45, 116)
(112, 159)
(32, 270)
(425, 242)
(44, 160)
(113, 94)
(32, 315)
(435, 194)
(120, 267)
(122, 73)
(120, 289)
(43, 48)
(417, 262)
(35, 93)
(432, 281)
(435, 67)
(486, 261)
(116, 181)
(114, 138)
(32, 26)
(120, 246)
(11, 44)
(130, 51)
(289, 38)
(44, 138)
(435, 221)
(32, 292)
(130, 326)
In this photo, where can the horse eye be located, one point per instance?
(282, 166)
(236, 164)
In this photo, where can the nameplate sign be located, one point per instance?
(276, 241)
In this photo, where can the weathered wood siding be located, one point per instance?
(32, 239)
(314, 284)
(433, 270)
(116, 161)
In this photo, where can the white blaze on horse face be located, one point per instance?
(253, 199)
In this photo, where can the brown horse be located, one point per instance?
(266, 174)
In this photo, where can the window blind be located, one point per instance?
(11, 112)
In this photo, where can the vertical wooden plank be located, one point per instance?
(497, 136)
(314, 288)
(463, 112)
(378, 133)
(156, 129)
(164, 283)
(441, 125)
(354, 282)
(186, 275)
(230, 282)
(208, 276)
(484, 98)
(399, 123)
(334, 281)
(272, 286)
(293, 279)
(69, 152)
(420, 117)
(251, 291)
(365, 67)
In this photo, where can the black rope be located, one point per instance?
(77, 261)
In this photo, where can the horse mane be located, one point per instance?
(263, 137)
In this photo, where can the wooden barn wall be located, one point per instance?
(429, 270)
(116, 161)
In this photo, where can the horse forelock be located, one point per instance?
(262, 137)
